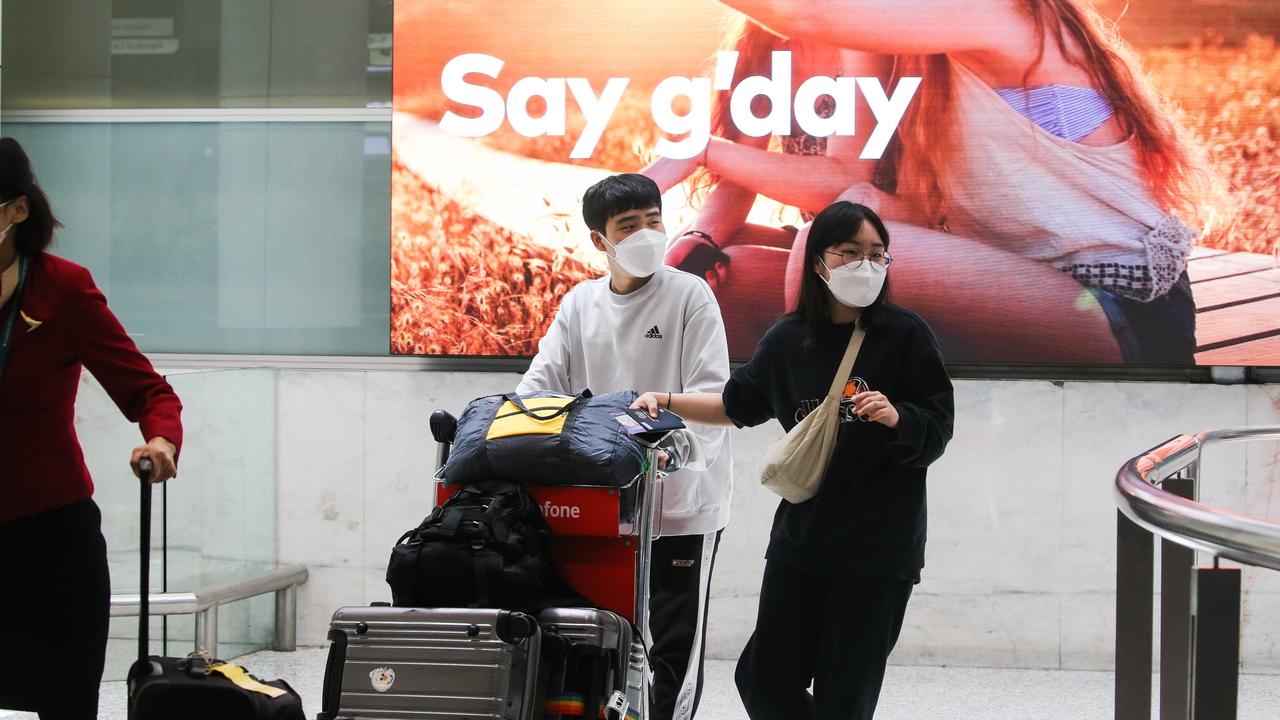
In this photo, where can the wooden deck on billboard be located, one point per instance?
(1237, 307)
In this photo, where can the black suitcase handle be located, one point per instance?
(144, 552)
(443, 428)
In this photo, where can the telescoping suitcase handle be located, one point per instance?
(144, 552)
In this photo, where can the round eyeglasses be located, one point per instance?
(855, 258)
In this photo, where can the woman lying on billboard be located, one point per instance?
(1042, 199)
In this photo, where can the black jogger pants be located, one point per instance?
(679, 588)
(833, 633)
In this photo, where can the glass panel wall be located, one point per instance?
(216, 163)
(77, 54)
(215, 522)
(248, 238)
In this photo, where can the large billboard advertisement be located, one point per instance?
(1063, 181)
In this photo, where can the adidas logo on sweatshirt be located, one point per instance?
(654, 333)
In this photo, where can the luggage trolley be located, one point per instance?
(601, 542)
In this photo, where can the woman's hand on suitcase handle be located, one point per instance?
(161, 454)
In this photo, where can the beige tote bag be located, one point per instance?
(796, 463)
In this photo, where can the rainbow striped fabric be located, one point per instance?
(570, 704)
(575, 705)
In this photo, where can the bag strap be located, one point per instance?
(541, 415)
(449, 516)
(450, 520)
(486, 488)
(496, 514)
(846, 363)
(481, 578)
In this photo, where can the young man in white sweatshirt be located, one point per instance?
(647, 325)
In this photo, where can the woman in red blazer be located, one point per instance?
(53, 560)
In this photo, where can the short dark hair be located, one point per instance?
(839, 222)
(33, 235)
(617, 194)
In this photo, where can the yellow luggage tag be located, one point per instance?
(237, 675)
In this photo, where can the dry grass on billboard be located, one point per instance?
(492, 295)
(1230, 99)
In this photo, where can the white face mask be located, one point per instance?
(856, 287)
(641, 252)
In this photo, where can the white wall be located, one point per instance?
(1021, 558)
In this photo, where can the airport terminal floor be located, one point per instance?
(910, 692)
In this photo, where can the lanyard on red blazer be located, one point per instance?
(12, 315)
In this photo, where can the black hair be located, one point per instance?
(839, 222)
(33, 235)
(617, 194)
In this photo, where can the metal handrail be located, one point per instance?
(204, 602)
(1200, 526)
(183, 603)
(279, 578)
(171, 603)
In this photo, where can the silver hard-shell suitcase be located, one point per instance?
(610, 635)
(390, 662)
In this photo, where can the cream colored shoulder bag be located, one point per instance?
(796, 463)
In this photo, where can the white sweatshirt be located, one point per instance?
(667, 336)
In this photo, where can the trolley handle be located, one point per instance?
(659, 490)
(444, 427)
(648, 511)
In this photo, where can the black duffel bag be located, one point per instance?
(545, 439)
(485, 547)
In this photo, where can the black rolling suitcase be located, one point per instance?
(195, 687)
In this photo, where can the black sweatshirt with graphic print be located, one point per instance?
(869, 516)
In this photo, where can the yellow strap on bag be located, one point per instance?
(237, 675)
(539, 416)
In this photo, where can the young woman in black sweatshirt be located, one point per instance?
(840, 567)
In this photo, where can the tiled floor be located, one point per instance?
(910, 693)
